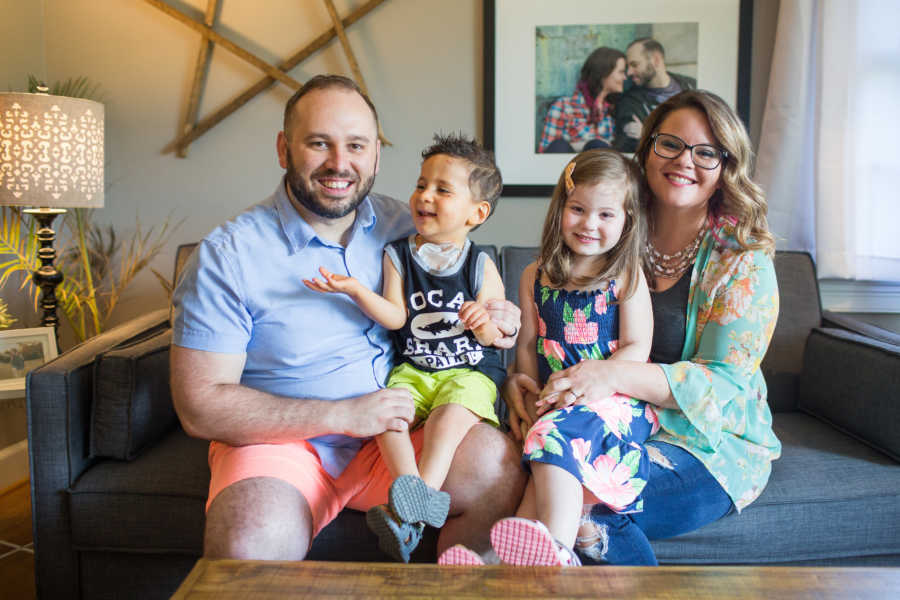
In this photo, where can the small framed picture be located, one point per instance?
(21, 350)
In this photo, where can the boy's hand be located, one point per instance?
(333, 284)
(474, 316)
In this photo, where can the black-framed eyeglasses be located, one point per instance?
(704, 156)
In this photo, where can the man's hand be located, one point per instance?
(633, 128)
(519, 391)
(388, 409)
(333, 284)
(508, 318)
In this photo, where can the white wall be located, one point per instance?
(422, 60)
(22, 43)
(21, 54)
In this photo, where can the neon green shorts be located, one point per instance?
(466, 387)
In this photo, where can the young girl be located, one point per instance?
(590, 302)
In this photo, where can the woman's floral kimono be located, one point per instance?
(725, 419)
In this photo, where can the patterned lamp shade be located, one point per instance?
(51, 151)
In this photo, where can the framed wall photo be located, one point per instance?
(21, 350)
(536, 51)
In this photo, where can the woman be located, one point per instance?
(584, 120)
(715, 303)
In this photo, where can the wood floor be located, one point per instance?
(16, 548)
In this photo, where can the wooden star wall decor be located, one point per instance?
(191, 128)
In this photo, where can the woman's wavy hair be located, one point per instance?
(598, 66)
(609, 167)
(738, 196)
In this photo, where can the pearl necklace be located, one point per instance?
(672, 266)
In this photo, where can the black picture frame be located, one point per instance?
(512, 188)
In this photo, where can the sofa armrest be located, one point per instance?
(132, 406)
(59, 396)
(842, 321)
(853, 383)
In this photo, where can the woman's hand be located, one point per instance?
(586, 382)
(519, 391)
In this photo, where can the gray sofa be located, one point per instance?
(118, 489)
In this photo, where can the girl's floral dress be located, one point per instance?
(601, 443)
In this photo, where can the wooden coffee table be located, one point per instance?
(261, 580)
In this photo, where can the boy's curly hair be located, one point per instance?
(485, 180)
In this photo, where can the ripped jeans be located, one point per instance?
(679, 499)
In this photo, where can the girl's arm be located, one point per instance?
(635, 324)
(474, 315)
(520, 391)
(526, 353)
(597, 379)
(388, 310)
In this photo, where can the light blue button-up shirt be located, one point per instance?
(242, 292)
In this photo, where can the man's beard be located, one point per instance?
(312, 203)
(648, 74)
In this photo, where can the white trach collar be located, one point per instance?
(439, 256)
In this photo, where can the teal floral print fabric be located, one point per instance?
(723, 417)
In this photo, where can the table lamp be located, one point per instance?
(51, 159)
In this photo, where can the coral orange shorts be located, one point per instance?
(362, 485)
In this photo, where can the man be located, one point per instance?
(653, 85)
(288, 382)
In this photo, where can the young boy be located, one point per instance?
(435, 284)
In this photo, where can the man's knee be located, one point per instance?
(260, 518)
(484, 439)
(487, 459)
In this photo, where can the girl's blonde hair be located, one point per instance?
(738, 195)
(605, 166)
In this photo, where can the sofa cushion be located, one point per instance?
(514, 260)
(118, 575)
(156, 504)
(153, 503)
(132, 402)
(856, 392)
(810, 510)
(799, 311)
(332, 541)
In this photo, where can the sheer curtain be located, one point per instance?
(829, 155)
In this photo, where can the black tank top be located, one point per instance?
(670, 321)
(433, 338)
